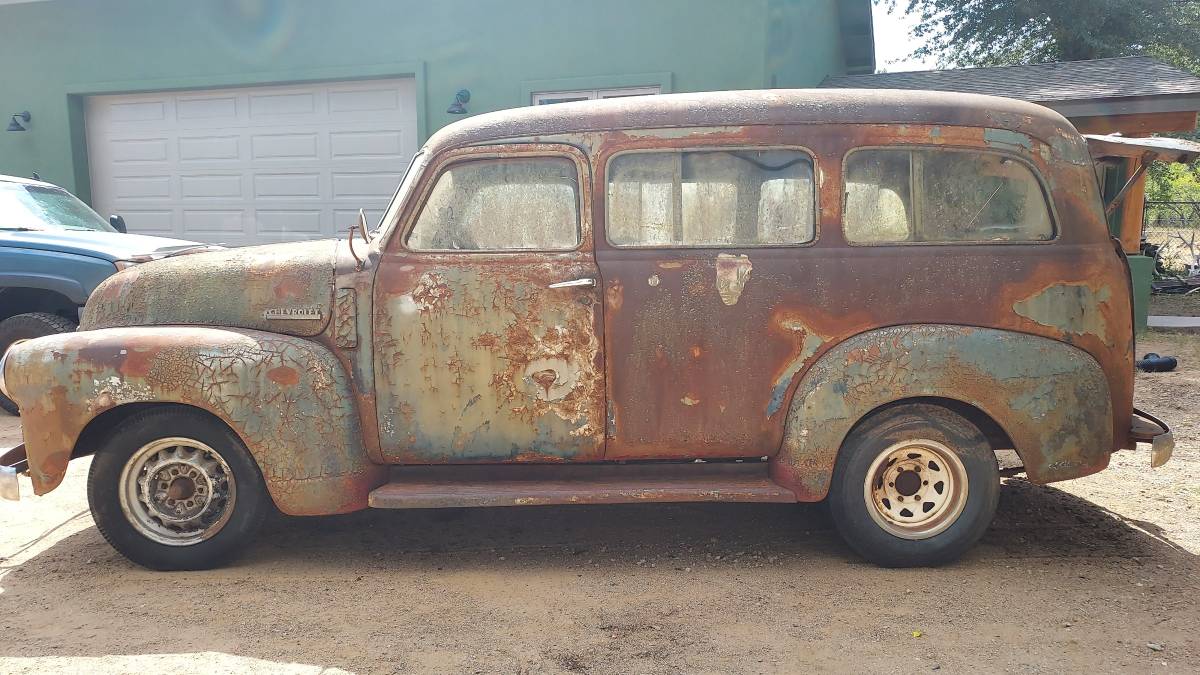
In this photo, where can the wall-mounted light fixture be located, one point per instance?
(16, 125)
(459, 107)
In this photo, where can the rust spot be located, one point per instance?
(284, 376)
(614, 296)
(431, 292)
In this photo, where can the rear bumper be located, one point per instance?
(1147, 428)
(12, 464)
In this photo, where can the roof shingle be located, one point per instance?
(1124, 77)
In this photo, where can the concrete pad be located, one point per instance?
(1188, 323)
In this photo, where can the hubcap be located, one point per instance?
(916, 489)
(177, 491)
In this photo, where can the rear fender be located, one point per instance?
(288, 399)
(1052, 399)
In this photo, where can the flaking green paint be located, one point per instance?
(1051, 398)
(1070, 308)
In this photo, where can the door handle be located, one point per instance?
(574, 283)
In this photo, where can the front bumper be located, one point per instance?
(12, 463)
(1147, 428)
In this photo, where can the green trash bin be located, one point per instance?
(1141, 268)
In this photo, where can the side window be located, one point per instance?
(911, 195)
(506, 204)
(728, 198)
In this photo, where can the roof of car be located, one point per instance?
(738, 108)
(26, 181)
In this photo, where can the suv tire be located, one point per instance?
(24, 327)
(175, 489)
(915, 485)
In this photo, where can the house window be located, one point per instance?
(548, 97)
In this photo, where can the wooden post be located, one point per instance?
(1133, 210)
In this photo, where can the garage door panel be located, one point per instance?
(251, 165)
(210, 186)
(365, 184)
(158, 222)
(209, 148)
(290, 185)
(140, 150)
(207, 108)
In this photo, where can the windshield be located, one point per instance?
(32, 207)
(406, 183)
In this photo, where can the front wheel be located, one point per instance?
(174, 489)
(915, 485)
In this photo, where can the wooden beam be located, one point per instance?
(1142, 124)
(1132, 211)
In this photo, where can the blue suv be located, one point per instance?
(54, 251)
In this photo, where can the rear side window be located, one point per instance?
(919, 195)
(728, 198)
(512, 204)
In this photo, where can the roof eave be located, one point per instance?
(1125, 105)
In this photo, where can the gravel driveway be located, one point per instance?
(1098, 574)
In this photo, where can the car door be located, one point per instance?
(487, 315)
(701, 262)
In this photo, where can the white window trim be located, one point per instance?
(541, 97)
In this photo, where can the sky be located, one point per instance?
(893, 44)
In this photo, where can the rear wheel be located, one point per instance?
(25, 327)
(916, 485)
(175, 489)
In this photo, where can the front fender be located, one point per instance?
(1051, 399)
(287, 398)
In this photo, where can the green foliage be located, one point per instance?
(1010, 32)
(1173, 183)
(961, 33)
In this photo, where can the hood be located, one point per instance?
(281, 288)
(110, 246)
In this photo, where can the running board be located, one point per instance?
(429, 487)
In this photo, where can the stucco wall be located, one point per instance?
(56, 51)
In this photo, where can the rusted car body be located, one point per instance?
(343, 365)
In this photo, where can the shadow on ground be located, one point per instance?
(463, 588)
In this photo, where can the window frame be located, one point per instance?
(436, 168)
(1056, 229)
(816, 195)
(593, 94)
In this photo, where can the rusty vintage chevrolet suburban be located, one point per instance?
(777, 296)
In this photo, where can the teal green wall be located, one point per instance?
(55, 51)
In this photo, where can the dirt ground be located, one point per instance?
(1175, 305)
(1098, 574)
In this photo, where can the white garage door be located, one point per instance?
(251, 165)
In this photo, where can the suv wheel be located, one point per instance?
(174, 489)
(916, 485)
(24, 327)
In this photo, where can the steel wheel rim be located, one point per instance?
(916, 489)
(177, 491)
